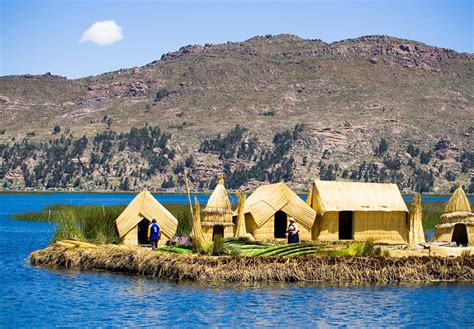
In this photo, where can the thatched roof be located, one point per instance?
(350, 196)
(144, 205)
(268, 199)
(218, 210)
(458, 202)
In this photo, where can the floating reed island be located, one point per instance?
(328, 269)
(350, 232)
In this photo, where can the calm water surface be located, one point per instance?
(44, 298)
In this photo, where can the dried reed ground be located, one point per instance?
(250, 269)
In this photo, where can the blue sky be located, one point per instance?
(44, 36)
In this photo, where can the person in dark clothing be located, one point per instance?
(293, 233)
(154, 234)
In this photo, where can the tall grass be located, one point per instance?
(183, 214)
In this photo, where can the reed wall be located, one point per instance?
(380, 226)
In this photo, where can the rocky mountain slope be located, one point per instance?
(375, 108)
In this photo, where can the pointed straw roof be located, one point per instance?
(240, 230)
(266, 200)
(416, 235)
(218, 210)
(197, 233)
(458, 202)
(144, 205)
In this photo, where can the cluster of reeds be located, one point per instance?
(238, 268)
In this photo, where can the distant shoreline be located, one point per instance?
(192, 193)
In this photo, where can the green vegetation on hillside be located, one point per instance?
(375, 108)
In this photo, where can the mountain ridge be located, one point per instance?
(349, 94)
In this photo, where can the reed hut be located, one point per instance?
(359, 211)
(457, 222)
(218, 214)
(268, 209)
(132, 224)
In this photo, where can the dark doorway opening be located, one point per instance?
(345, 225)
(460, 235)
(280, 225)
(217, 232)
(143, 231)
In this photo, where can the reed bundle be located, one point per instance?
(240, 230)
(196, 234)
(250, 269)
(416, 233)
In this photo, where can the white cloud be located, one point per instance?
(103, 33)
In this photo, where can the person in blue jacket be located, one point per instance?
(154, 234)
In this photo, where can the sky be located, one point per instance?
(76, 38)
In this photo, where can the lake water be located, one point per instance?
(40, 297)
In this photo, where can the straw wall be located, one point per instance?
(445, 234)
(131, 238)
(328, 226)
(383, 227)
(207, 231)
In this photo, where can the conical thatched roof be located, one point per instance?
(458, 202)
(218, 210)
(144, 205)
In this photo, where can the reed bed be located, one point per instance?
(333, 269)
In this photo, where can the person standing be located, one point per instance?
(154, 234)
(293, 231)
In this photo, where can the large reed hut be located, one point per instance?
(217, 221)
(132, 224)
(359, 211)
(267, 211)
(457, 222)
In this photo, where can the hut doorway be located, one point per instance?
(142, 229)
(217, 232)
(460, 234)
(280, 225)
(345, 225)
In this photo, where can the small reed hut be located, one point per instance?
(132, 224)
(359, 211)
(457, 222)
(268, 209)
(217, 221)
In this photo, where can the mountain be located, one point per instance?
(374, 108)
